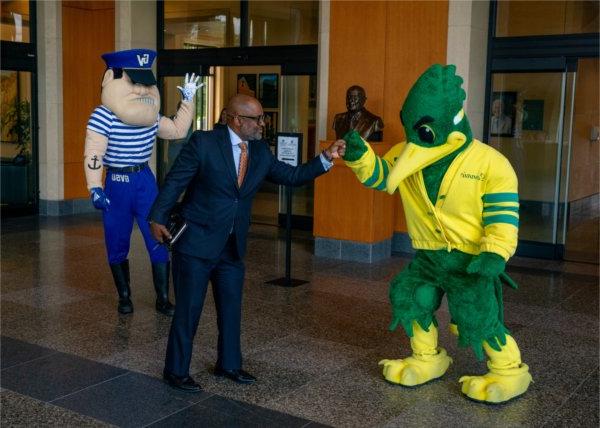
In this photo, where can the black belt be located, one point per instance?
(133, 168)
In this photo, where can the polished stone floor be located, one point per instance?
(68, 358)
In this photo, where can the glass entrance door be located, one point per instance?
(170, 97)
(547, 125)
(526, 125)
(289, 106)
(16, 151)
(582, 202)
(298, 114)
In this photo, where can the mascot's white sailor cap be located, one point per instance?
(136, 62)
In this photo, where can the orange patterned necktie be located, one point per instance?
(243, 163)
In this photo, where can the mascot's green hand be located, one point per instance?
(487, 264)
(355, 146)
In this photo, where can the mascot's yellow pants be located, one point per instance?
(507, 378)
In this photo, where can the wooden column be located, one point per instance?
(383, 46)
(352, 222)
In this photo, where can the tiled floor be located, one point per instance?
(68, 358)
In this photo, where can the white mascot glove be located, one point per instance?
(190, 86)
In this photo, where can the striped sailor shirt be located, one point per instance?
(127, 144)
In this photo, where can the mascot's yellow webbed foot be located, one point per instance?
(417, 369)
(508, 377)
(427, 363)
(497, 386)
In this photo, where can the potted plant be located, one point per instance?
(17, 122)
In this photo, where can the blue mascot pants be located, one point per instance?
(131, 196)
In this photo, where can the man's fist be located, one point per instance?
(190, 86)
(355, 146)
(99, 199)
(336, 150)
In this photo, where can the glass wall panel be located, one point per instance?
(201, 24)
(539, 18)
(170, 98)
(298, 115)
(283, 22)
(526, 126)
(17, 171)
(14, 25)
(582, 177)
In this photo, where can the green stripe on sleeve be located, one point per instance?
(493, 208)
(501, 218)
(381, 185)
(386, 171)
(373, 179)
(500, 197)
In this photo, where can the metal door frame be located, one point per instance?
(531, 54)
(22, 57)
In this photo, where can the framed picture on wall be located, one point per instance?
(268, 90)
(270, 127)
(502, 114)
(533, 115)
(246, 84)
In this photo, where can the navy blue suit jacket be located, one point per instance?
(214, 205)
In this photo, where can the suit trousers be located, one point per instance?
(190, 278)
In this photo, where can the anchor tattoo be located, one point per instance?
(95, 164)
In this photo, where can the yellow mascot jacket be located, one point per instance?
(477, 207)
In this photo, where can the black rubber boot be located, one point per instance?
(120, 272)
(160, 275)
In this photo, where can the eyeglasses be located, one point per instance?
(257, 119)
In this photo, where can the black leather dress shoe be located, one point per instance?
(125, 306)
(186, 384)
(165, 307)
(237, 375)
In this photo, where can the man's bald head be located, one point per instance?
(245, 117)
(244, 104)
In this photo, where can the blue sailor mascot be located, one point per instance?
(120, 138)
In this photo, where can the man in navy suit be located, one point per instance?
(221, 171)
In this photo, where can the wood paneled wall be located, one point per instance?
(383, 47)
(536, 18)
(585, 165)
(88, 31)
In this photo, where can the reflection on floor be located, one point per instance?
(583, 242)
(68, 358)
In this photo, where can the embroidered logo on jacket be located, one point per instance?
(478, 177)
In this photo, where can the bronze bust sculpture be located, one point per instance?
(368, 125)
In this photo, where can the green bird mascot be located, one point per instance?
(462, 210)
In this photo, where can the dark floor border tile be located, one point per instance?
(131, 400)
(122, 397)
(55, 375)
(225, 412)
(14, 352)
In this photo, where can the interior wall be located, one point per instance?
(585, 167)
(383, 47)
(88, 31)
(523, 18)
